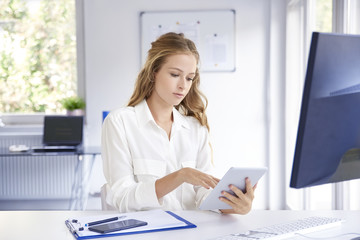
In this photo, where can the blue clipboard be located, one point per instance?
(77, 234)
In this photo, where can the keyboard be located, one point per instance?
(286, 230)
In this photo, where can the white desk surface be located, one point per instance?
(41, 225)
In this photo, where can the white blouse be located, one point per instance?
(136, 152)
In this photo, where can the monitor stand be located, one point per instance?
(347, 170)
(348, 167)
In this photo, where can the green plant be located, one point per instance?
(72, 103)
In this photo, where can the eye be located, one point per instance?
(174, 74)
(190, 77)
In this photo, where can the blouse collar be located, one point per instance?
(143, 115)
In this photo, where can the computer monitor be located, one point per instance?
(328, 142)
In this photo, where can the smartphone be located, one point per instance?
(117, 226)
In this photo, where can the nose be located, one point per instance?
(182, 83)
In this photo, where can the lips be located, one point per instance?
(179, 95)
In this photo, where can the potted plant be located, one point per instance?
(75, 106)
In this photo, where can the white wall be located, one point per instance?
(237, 100)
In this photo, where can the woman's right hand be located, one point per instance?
(198, 178)
(192, 176)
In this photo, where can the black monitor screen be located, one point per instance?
(328, 141)
(63, 130)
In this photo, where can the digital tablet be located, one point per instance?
(235, 176)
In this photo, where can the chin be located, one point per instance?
(173, 101)
(177, 103)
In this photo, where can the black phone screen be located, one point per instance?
(117, 226)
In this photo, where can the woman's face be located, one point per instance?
(174, 79)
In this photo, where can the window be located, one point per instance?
(322, 15)
(353, 17)
(37, 55)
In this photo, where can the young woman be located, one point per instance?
(156, 151)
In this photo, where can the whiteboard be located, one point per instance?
(212, 31)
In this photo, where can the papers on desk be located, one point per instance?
(158, 220)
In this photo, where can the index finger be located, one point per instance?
(248, 185)
(238, 192)
(217, 180)
(212, 181)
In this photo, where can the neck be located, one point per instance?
(162, 113)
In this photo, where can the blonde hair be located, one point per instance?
(195, 102)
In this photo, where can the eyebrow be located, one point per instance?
(178, 69)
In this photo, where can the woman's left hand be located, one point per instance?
(240, 202)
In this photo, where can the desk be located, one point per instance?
(35, 225)
(52, 175)
(81, 151)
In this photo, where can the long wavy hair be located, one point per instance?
(195, 102)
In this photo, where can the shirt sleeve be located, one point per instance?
(123, 191)
(204, 163)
